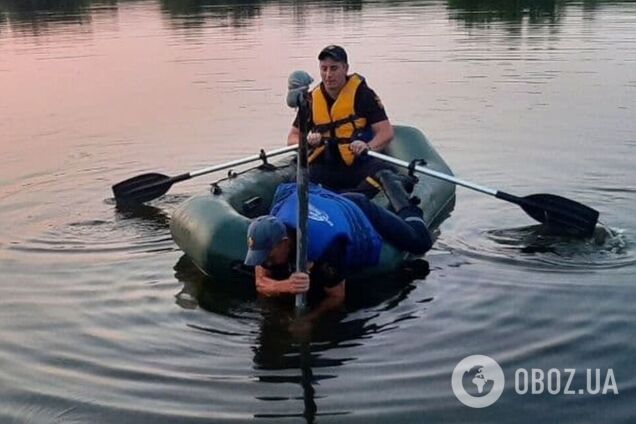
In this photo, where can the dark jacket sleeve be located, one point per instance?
(369, 106)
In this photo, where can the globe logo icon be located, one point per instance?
(478, 381)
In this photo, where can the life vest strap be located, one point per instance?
(322, 128)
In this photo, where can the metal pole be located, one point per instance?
(302, 184)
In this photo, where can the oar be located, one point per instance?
(555, 211)
(145, 187)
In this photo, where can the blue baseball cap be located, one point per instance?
(262, 235)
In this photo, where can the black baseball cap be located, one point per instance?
(337, 53)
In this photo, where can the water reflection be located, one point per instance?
(143, 217)
(21, 6)
(74, 11)
(514, 11)
(286, 352)
(194, 13)
(231, 299)
(483, 12)
(237, 11)
(237, 14)
(44, 16)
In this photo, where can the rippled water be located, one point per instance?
(102, 319)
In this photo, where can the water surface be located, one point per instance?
(102, 319)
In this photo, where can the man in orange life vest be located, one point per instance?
(347, 119)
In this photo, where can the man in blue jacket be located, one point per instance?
(345, 233)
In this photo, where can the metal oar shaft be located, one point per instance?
(434, 174)
(243, 161)
(558, 213)
(149, 186)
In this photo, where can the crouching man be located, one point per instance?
(345, 233)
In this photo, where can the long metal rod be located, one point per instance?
(302, 185)
(243, 161)
(434, 174)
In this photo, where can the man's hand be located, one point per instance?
(298, 283)
(358, 147)
(314, 139)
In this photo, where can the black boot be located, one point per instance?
(394, 190)
(407, 210)
(408, 182)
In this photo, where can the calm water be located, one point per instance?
(103, 320)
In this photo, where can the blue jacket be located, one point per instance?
(331, 217)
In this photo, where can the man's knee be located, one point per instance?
(423, 241)
(358, 198)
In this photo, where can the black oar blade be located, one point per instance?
(561, 214)
(142, 188)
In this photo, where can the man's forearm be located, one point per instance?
(383, 134)
(293, 137)
(269, 287)
(298, 282)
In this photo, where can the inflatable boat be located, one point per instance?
(211, 227)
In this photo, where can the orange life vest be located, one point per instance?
(338, 123)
